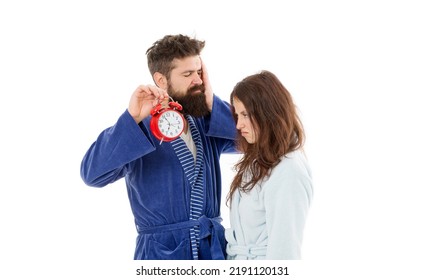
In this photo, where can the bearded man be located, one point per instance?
(174, 188)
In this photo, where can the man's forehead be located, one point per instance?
(191, 63)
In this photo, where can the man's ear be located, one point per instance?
(160, 80)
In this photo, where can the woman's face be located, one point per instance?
(244, 122)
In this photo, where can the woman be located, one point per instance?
(272, 190)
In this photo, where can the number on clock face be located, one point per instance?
(170, 124)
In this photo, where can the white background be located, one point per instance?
(354, 68)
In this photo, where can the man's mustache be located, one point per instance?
(196, 88)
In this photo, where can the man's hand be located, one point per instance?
(144, 98)
(208, 87)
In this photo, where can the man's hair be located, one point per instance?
(162, 53)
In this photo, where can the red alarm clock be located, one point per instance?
(167, 123)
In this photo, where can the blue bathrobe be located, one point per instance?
(161, 181)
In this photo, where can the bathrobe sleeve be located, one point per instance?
(106, 159)
(287, 200)
(221, 125)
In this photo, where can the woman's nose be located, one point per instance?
(239, 124)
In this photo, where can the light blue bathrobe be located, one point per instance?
(160, 186)
(268, 222)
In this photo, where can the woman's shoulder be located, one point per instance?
(293, 163)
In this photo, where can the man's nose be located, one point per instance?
(197, 80)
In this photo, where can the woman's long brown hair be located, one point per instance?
(276, 123)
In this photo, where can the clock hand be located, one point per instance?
(167, 119)
(174, 124)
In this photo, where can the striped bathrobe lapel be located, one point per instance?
(194, 173)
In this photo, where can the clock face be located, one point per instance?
(171, 124)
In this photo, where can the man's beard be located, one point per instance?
(194, 103)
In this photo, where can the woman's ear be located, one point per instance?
(160, 80)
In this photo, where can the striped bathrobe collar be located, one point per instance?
(194, 173)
